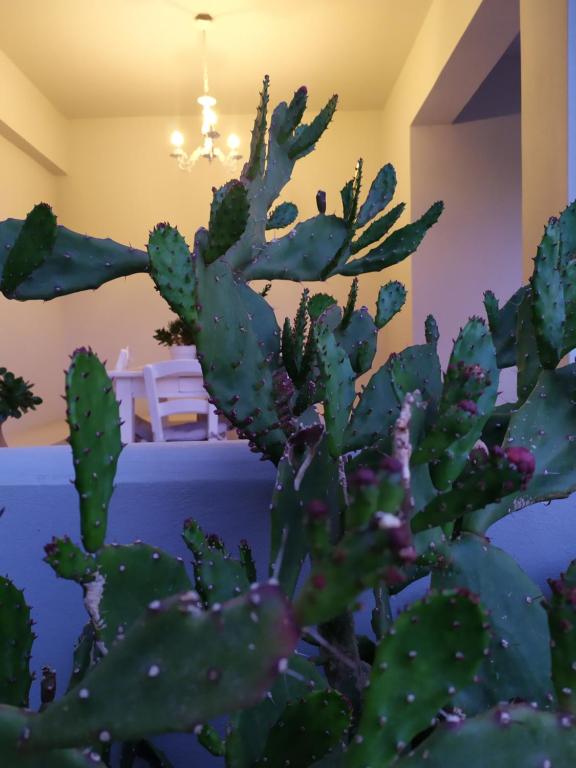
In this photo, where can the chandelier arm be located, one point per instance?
(205, 62)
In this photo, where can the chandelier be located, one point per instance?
(207, 148)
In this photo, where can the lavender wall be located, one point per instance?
(475, 168)
(227, 489)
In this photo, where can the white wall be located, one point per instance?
(475, 168)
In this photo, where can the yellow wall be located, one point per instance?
(544, 41)
(123, 182)
(32, 333)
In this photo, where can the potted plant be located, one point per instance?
(180, 338)
(400, 480)
(16, 398)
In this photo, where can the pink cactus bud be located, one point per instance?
(317, 510)
(469, 406)
(391, 465)
(523, 459)
(319, 581)
(363, 477)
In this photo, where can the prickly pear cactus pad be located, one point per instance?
(218, 577)
(13, 723)
(177, 667)
(545, 424)
(173, 272)
(250, 727)
(504, 737)
(486, 479)
(413, 678)
(239, 379)
(16, 638)
(69, 561)
(94, 424)
(307, 730)
(45, 261)
(360, 560)
(518, 664)
(562, 621)
(130, 579)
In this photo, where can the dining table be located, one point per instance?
(129, 386)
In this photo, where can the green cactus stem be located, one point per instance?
(510, 735)
(240, 324)
(379, 195)
(413, 678)
(358, 337)
(68, 561)
(362, 558)
(468, 397)
(518, 664)
(307, 730)
(396, 247)
(177, 667)
(218, 577)
(298, 484)
(250, 728)
(536, 425)
(337, 377)
(228, 219)
(16, 639)
(13, 724)
(94, 424)
(391, 299)
(503, 324)
(377, 229)
(83, 655)
(282, 216)
(44, 261)
(562, 622)
(486, 479)
(119, 582)
(173, 273)
(302, 254)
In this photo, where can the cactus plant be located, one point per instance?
(376, 486)
(16, 398)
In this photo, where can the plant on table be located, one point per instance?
(374, 490)
(16, 398)
(176, 333)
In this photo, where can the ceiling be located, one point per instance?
(111, 58)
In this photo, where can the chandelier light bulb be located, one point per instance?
(206, 100)
(177, 139)
(210, 117)
(233, 141)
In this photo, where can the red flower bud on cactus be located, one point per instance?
(523, 459)
(317, 510)
(391, 465)
(363, 477)
(469, 406)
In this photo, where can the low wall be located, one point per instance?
(222, 485)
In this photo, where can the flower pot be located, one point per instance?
(186, 352)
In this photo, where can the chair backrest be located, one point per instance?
(123, 359)
(176, 387)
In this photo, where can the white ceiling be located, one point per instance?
(109, 58)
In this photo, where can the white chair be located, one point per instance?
(176, 387)
(123, 359)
